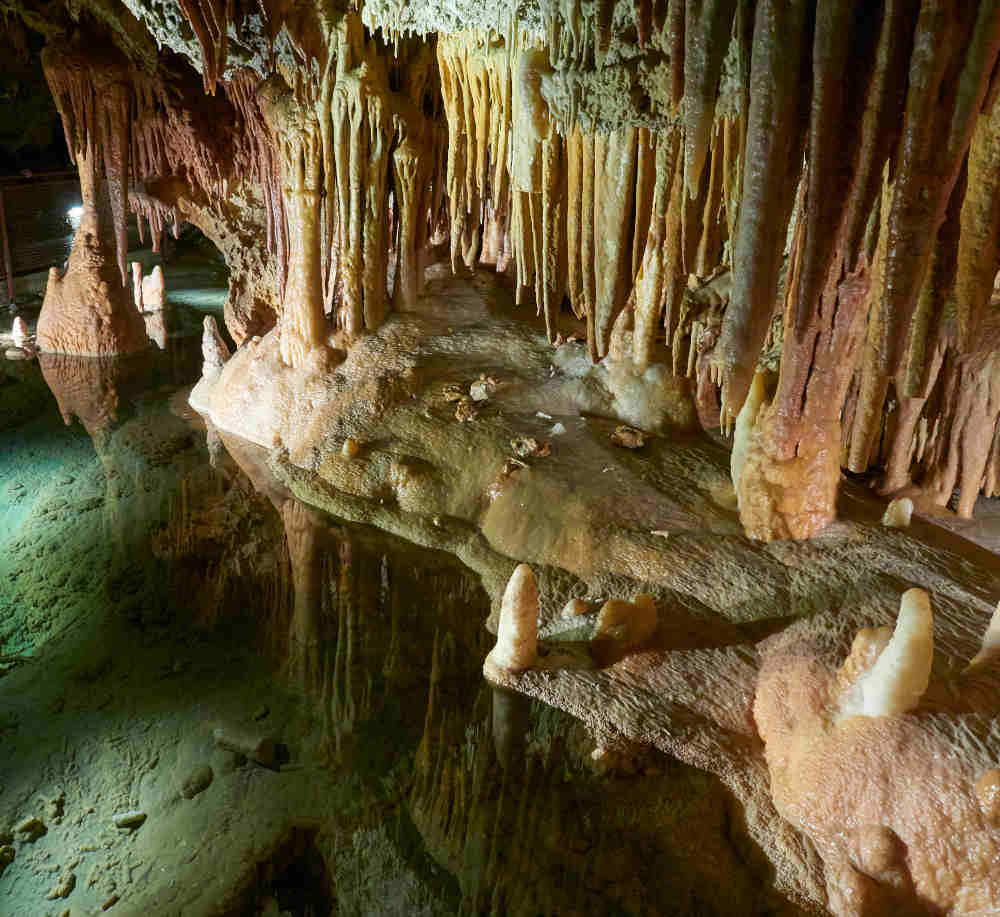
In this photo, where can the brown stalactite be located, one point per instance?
(774, 141)
(210, 20)
(832, 151)
(299, 152)
(979, 242)
(936, 293)
(675, 43)
(872, 383)
(954, 52)
(708, 26)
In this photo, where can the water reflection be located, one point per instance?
(413, 787)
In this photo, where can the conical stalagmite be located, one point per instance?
(517, 631)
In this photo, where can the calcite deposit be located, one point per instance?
(507, 277)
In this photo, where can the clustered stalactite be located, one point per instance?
(812, 192)
(875, 293)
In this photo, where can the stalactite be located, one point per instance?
(210, 20)
(955, 49)
(255, 157)
(298, 148)
(872, 383)
(708, 25)
(936, 291)
(614, 193)
(979, 242)
(156, 213)
(652, 282)
(773, 146)
(675, 43)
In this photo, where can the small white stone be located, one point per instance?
(898, 513)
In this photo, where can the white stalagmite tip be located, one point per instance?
(517, 632)
(899, 677)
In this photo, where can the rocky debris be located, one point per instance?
(483, 387)
(258, 747)
(7, 854)
(452, 393)
(574, 608)
(529, 447)
(628, 437)
(54, 808)
(197, 781)
(626, 623)
(130, 820)
(30, 829)
(64, 887)
(466, 410)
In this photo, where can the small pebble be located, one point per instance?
(130, 820)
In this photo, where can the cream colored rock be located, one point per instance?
(898, 513)
(898, 802)
(574, 608)
(898, 678)
(990, 649)
(20, 332)
(746, 420)
(626, 623)
(517, 632)
(154, 291)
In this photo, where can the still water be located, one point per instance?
(167, 609)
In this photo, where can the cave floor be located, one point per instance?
(161, 581)
(155, 588)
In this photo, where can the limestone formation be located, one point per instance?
(19, 331)
(517, 631)
(898, 513)
(214, 350)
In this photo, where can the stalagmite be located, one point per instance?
(898, 513)
(214, 350)
(517, 631)
(990, 649)
(896, 682)
(87, 311)
(746, 422)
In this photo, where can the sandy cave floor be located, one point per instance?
(157, 597)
